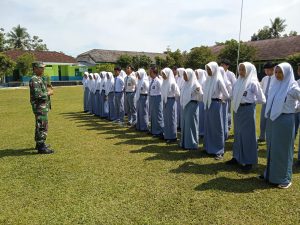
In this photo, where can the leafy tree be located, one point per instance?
(230, 51)
(142, 61)
(160, 62)
(175, 58)
(2, 40)
(108, 67)
(293, 59)
(124, 60)
(262, 34)
(198, 57)
(6, 66)
(37, 44)
(19, 38)
(277, 26)
(24, 64)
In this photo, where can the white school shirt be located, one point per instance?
(130, 83)
(144, 88)
(119, 84)
(231, 77)
(220, 92)
(155, 86)
(173, 93)
(298, 81)
(292, 100)
(197, 95)
(264, 83)
(253, 94)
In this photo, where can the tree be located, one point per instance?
(37, 44)
(108, 67)
(6, 66)
(142, 61)
(2, 40)
(262, 34)
(198, 57)
(124, 60)
(160, 62)
(277, 26)
(19, 38)
(175, 58)
(230, 52)
(293, 59)
(24, 64)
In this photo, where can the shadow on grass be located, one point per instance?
(17, 152)
(213, 168)
(225, 184)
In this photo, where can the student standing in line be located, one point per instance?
(85, 91)
(91, 84)
(155, 104)
(215, 92)
(103, 102)
(110, 96)
(119, 96)
(141, 98)
(97, 94)
(130, 88)
(179, 81)
(201, 77)
(282, 104)
(298, 117)
(232, 79)
(191, 94)
(169, 91)
(265, 84)
(246, 93)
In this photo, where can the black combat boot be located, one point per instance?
(37, 146)
(43, 149)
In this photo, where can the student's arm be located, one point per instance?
(257, 90)
(223, 89)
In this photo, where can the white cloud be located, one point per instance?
(74, 26)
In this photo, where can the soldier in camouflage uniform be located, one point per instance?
(40, 102)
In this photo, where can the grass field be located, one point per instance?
(104, 174)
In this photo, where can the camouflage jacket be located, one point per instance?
(39, 98)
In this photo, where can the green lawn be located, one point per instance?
(103, 174)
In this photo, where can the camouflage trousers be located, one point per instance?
(41, 127)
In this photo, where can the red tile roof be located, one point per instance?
(271, 49)
(44, 56)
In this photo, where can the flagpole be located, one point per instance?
(239, 44)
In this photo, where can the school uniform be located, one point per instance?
(110, 96)
(246, 93)
(191, 94)
(179, 81)
(119, 98)
(170, 90)
(97, 96)
(202, 76)
(215, 92)
(265, 84)
(103, 104)
(142, 103)
(283, 103)
(130, 88)
(156, 107)
(232, 79)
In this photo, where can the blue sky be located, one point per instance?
(74, 26)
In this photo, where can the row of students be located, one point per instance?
(211, 91)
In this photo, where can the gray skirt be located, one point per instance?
(214, 141)
(170, 119)
(245, 143)
(142, 113)
(190, 126)
(156, 111)
(280, 144)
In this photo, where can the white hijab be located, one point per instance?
(109, 83)
(211, 83)
(144, 79)
(167, 84)
(180, 81)
(91, 82)
(85, 79)
(97, 81)
(188, 87)
(242, 83)
(279, 90)
(123, 74)
(201, 76)
(103, 81)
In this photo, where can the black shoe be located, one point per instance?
(171, 140)
(261, 177)
(246, 168)
(37, 146)
(232, 161)
(43, 149)
(260, 140)
(297, 163)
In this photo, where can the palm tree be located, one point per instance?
(277, 26)
(19, 38)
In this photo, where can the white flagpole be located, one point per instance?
(239, 44)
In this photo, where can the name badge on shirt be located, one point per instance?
(153, 87)
(129, 84)
(142, 88)
(245, 93)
